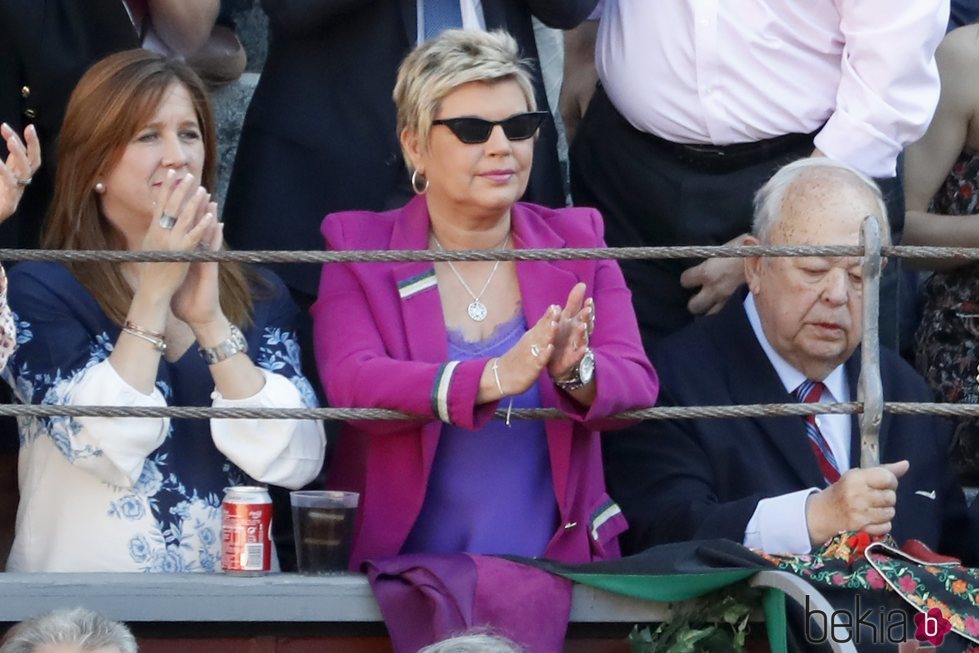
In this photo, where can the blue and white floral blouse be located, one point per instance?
(140, 494)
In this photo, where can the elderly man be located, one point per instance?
(788, 484)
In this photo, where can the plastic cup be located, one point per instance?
(323, 525)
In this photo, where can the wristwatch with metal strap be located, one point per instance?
(225, 349)
(581, 375)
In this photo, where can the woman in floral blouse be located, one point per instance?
(136, 155)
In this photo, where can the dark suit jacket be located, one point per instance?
(699, 479)
(320, 135)
(45, 48)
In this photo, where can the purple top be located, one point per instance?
(490, 491)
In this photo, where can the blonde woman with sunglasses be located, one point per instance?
(452, 342)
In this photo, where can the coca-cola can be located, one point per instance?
(246, 527)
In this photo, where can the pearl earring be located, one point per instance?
(99, 188)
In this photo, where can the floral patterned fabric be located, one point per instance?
(947, 341)
(8, 333)
(859, 562)
(136, 494)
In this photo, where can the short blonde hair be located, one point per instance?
(437, 67)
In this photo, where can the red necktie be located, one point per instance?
(809, 393)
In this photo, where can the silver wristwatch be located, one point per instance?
(227, 348)
(581, 375)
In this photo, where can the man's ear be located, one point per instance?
(752, 266)
(412, 148)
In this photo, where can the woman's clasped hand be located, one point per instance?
(557, 342)
(183, 220)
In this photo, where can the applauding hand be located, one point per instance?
(17, 172)
(179, 223)
(573, 331)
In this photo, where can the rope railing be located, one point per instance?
(605, 253)
(380, 414)
(400, 256)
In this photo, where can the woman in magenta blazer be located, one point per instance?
(452, 342)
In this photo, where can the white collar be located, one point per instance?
(835, 382)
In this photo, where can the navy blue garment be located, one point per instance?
(79, 484)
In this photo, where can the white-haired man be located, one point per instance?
(788, 484)
(69, 630)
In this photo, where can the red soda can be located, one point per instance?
(246, 527)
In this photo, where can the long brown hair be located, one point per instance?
(112, 102)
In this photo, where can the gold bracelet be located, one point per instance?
(158, 343)
(132, 326)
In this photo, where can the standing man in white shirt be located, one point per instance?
(700, 102)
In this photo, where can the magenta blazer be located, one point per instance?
(380, 341)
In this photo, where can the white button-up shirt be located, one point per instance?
(737, 71)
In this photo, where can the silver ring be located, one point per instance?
(535, 350)
(25, 182)
(167, 221)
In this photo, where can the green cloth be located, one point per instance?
(680, 587)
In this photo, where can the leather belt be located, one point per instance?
(723, 158)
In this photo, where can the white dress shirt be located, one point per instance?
(778, 524)
(737, 71)
(472, 16)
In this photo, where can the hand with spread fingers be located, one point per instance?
(17, 172)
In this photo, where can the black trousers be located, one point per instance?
(649, 197)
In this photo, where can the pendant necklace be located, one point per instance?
(477, 310)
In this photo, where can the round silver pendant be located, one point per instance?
(477, 311)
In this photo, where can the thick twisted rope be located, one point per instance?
(378, 414)
(371, 414)
(398, 256)
(375, 414)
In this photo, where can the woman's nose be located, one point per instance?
(498, 143)
(174, 152)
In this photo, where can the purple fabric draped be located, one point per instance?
(427, 598)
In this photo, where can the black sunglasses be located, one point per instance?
(518, 127)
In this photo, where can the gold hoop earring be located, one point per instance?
(415, 176)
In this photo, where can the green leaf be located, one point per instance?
(687, 640)
(713, 623)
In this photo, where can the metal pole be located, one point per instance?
(870, 391)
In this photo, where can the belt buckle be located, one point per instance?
(705, 150)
